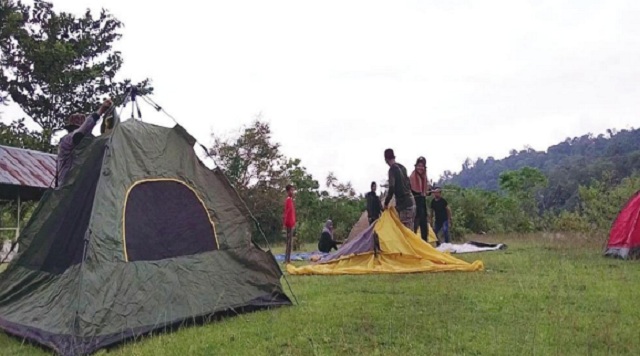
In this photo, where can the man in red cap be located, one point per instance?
(78, 126)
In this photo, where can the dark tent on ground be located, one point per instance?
(624, 237)
(142, 237)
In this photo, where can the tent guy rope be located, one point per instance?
(159, 108)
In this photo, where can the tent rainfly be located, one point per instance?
(624, 237)
(141, 237)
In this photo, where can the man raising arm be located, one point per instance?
(78, 126)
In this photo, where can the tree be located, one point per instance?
(343, 189)
(252, 158)
(260, 172)
(523, 181)
(522, 185)
(255, 166)
(467, 165)
(55, 64)
(18, 135)
(446, 176)
(331, 180)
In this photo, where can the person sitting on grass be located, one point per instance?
(327, 243)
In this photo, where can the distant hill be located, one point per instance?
(576, 161)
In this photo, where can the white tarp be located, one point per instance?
(6, 250)
(469, 247)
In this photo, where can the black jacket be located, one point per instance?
(326, 243)
(374, 205)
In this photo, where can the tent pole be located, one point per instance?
(18, 225)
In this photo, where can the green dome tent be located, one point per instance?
(142, 237)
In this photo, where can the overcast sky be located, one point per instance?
(340, 81)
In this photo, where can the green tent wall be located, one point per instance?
(140, 238)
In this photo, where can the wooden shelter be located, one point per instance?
(24, 176)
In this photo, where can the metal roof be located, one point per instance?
(26, 168)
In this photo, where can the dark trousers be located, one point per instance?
(287, 254)
(421, 217)
(327, 246)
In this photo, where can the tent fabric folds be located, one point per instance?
(142, 237)
(363, 224)
(399, 251)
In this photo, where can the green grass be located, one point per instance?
(546, 294)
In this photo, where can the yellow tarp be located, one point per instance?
(402, 251)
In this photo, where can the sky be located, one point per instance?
(341, 81)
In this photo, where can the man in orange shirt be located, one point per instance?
(289, 221)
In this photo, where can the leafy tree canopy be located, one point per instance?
(54, 64)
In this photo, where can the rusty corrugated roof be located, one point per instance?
(26, 168)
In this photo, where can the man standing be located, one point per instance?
(78, 126)
(289, 221)
(374, 205)
(420, 189)
(400, 187)
(440, 209)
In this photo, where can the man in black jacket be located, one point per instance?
(374, 205)
(400, 187)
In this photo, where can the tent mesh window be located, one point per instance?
(165, 219)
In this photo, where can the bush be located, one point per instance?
(569, 221)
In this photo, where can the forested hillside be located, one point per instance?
(605, 159)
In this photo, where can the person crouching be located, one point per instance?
(327, 243)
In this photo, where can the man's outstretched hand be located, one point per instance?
(105, 106)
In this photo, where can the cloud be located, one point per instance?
(341, 81)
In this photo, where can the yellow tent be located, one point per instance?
(363, 223)
(400, 251)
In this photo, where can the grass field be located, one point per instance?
(546, 294)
